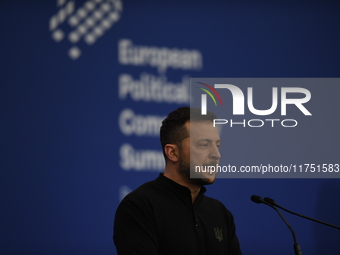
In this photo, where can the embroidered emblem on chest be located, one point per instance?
(218, 234)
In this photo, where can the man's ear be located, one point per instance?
(172, 152)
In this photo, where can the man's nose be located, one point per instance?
(215, 153)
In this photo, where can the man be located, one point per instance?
(171, 215)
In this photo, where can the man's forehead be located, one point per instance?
(202, 129)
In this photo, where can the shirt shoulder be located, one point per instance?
(146, 190)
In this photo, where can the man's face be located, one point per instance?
(200, 149)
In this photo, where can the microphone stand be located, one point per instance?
(273, 203)
(259, 200)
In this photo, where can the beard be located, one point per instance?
(189, 173)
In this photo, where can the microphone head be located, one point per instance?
(269, 200)
(256, 199)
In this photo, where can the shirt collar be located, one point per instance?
(178, 188)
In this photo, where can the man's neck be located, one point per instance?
(176, 177)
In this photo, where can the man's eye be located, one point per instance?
(203, 144)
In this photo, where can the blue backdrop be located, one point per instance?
(84, 85)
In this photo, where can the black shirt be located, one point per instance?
(159, 218)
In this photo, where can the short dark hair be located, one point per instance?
(173, 130)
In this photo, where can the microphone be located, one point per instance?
(273, 203)
(259, 200)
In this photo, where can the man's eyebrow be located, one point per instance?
(208, 140)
